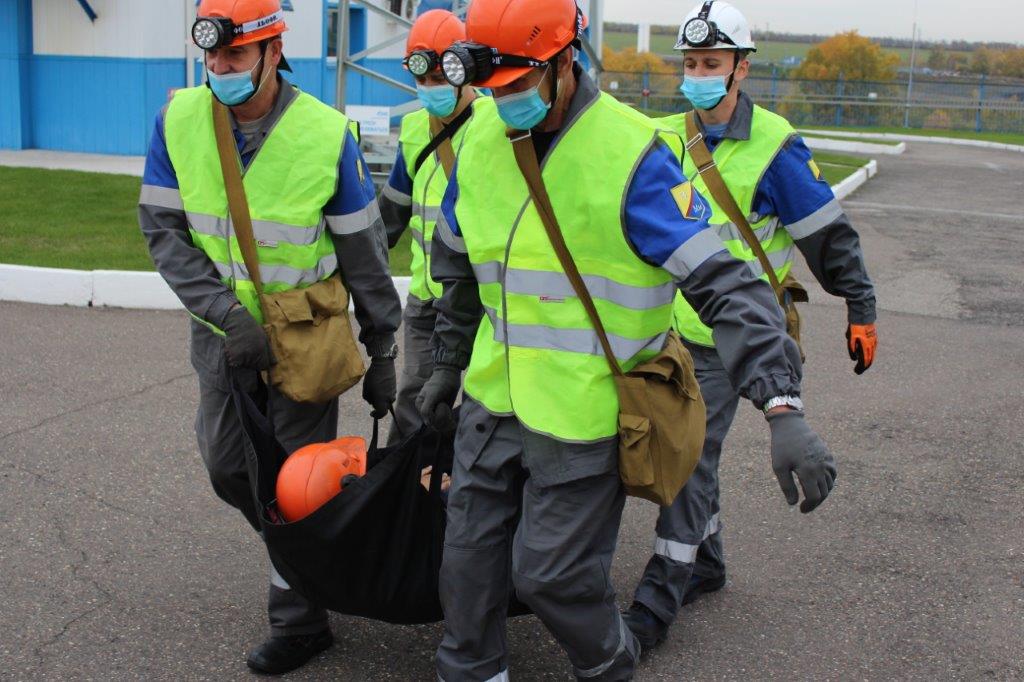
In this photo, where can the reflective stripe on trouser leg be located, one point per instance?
(500, 677)
(474, 582)
(687, 530)
(561, 559)
(277, 581)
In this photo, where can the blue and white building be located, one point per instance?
(73, 83)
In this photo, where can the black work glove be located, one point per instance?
(797, 449)
(246, 344)
(437, 397)
(380, 386)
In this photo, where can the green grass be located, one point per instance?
(1006, 138)
(888, 143)
(838, 167)
(85, 221)
(767, 51)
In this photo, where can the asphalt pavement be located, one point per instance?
(117, 562)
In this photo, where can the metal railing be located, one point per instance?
(978, 105)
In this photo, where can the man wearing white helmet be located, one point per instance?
(769, 172)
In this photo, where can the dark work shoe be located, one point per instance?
(650, 630)
(278, 655)
(699, 585)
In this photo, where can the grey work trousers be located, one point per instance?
(557, 558)
(222, 446)
(689, 540)
(418, 319)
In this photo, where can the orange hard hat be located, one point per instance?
(435, 30)
(313, 475)
(538, 29)
(250, 21)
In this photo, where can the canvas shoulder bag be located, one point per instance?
(309, 329)
(661, 411)
(789, 291)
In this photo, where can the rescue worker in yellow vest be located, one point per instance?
(314, 214)
(537, 434)
(770, 173)
(412, 196)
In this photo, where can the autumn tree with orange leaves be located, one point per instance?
(849, 54)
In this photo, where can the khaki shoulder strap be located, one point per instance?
(444, 151)
(708, 170)
(237, 203)
(526, 156)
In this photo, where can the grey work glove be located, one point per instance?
(246, 344)
(437, 397)
(797, 449)
(380, 386)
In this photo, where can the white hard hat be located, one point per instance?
(715, 25)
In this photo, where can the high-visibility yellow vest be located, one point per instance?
(536, 354)
(742, 164)
(292, 177)
(428, 188)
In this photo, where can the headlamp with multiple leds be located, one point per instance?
(209, 33)
(422, 62)
(467, 63)
(700, 32)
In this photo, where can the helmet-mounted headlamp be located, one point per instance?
(701, 32)
(422, 62)
(209, 33)
(467, 63)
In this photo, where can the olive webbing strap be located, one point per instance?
(444, 150)
(708, 170)
(237, 203)
(526, 156)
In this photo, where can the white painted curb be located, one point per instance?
(855, 147)
(985, 144)
(148, 291)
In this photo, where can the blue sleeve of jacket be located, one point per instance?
(159, 171)
(666, 220)
(794, 190)
(450, 233)
(355, 192)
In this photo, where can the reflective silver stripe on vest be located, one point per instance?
(777, 259)
(281, 274)
(600, 669)
(489, 272)
(164, 197)
(570, 340)
(354, 222)
(823, 217)
(270, 233)
(557, 285)
(428, 213)
(395, 196)
(729, 231)
(449, 238)
(692, 254)
(682, 552)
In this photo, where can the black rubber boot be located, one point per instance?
(278, 655)
(699, 586)
(650, 630)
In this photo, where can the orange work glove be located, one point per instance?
(862, 341)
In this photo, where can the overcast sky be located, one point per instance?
(985, 20)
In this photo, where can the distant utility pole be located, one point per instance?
(913, 63)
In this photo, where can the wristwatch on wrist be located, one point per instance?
(390, 355)
(784, 401)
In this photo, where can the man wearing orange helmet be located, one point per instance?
(538, 434)
(412, 196)
(314, 214)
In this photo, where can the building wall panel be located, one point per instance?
(124, 28)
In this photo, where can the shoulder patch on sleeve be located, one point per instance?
(683, 194)
(814, 169)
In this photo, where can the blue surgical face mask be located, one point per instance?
(523, 110)
(704, 92)
(438, 100)
(233, 89)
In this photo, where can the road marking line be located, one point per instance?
(924, 209)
